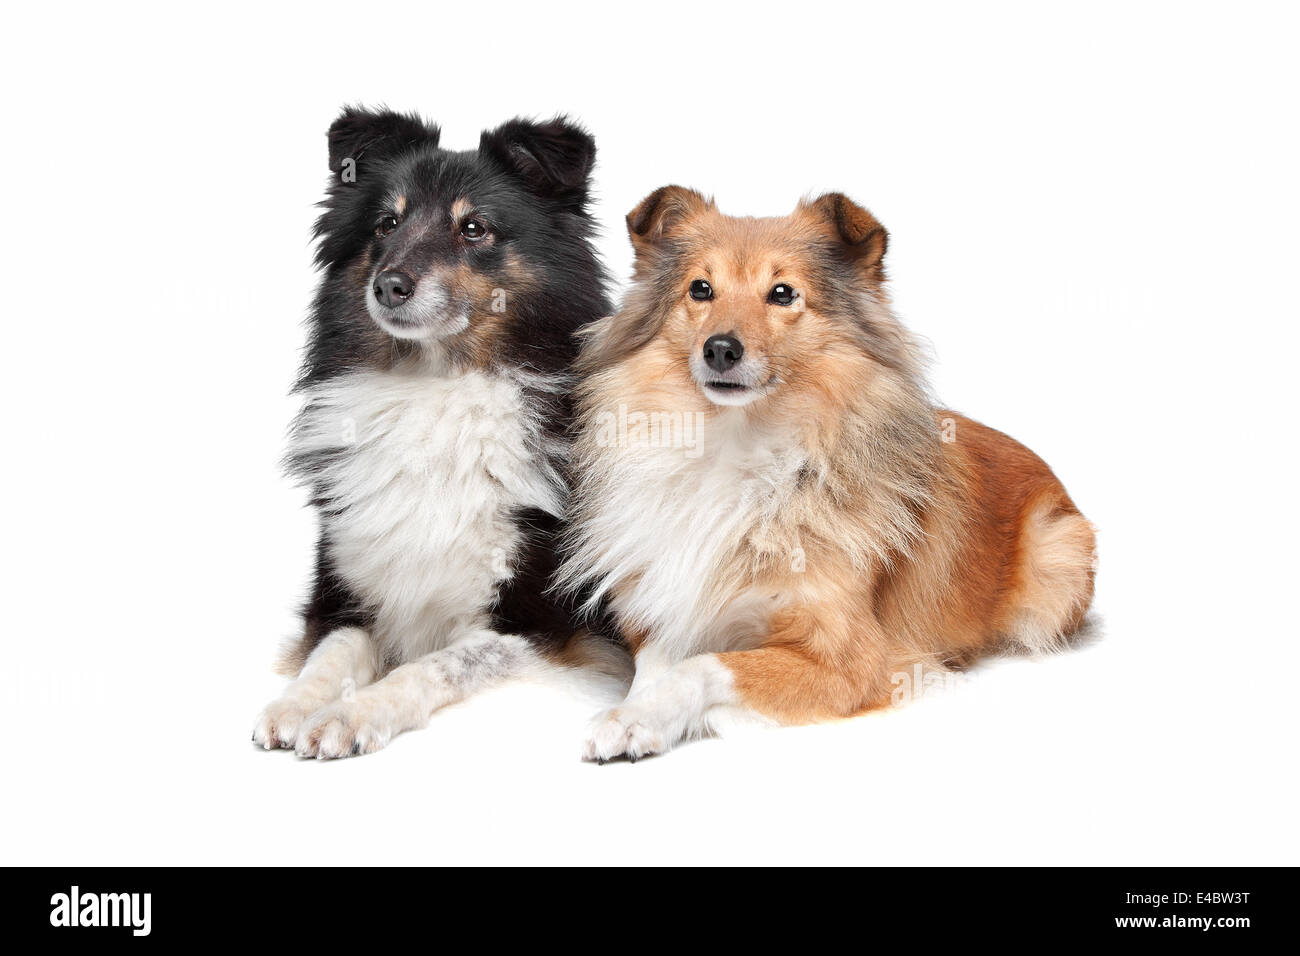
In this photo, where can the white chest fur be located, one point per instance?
(663, 524)
(420, 474)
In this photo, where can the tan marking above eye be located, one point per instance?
(399, 205)
(461, 209)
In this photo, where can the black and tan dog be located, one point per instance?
(435, 409)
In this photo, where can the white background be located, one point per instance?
(1094, 221)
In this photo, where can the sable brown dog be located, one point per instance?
(776, 512)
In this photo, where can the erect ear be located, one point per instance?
(864, 238)
(658, 215)
(554, 159)
(363, 135)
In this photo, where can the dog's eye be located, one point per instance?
(473, 230)
(385, 225)
(701, 291)
(782, 294)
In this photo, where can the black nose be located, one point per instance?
(393, 288)
(721, 352)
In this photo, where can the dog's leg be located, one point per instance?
(795, 677)
(343, 660)
(651, 664)
(662, 711)
(408, 696)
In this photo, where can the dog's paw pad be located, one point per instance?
(341, 730)
(277, 726)
(622, 733)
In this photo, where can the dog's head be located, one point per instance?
(434, 246)
(744, 308)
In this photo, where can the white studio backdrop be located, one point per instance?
(1093, 215)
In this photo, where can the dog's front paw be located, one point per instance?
(344, 729)
(625, 731)
(278, 724)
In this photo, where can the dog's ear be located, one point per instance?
(865, 239)
(554, 159)
(658, 215)
(360, 136)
